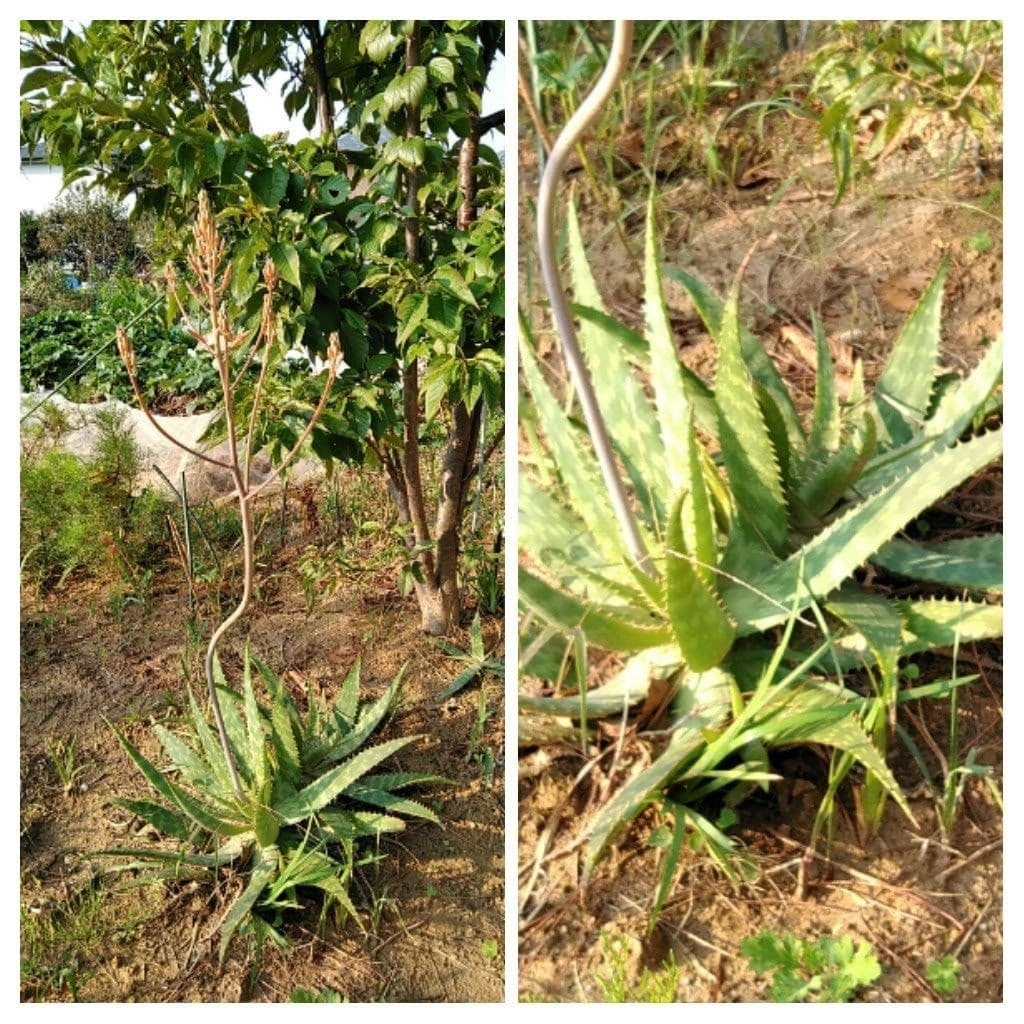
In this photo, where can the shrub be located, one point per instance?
(57, 342)
(84, 515)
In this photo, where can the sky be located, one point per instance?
(267, 114)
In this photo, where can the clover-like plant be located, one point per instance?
(737, 518)
(309, 796)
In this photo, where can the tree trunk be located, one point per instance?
(321, 81)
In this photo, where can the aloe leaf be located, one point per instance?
(584, 486)
(257, 746)
(162, 819)
(936, 622)
(696, 513)
(975, 563)
(346, 704)
(635, 346)
(628, 686)
(674, 413)
(391, 802)
(614, 629)
(903, 392)
(631, 422)
(402, 780)
(704, 704)
(959, 405)
(710, 308)
(832, 556)
(824, 436)
(332, 784)
(234, 723)
(825, 485)
(879, 622)
(701, 626)
(350, 825)
(227, 854)
(812, 715)
(283, 728)
(211, 747)
(369, 719)
(550, 533)
(184, 758)
(265, 865)
(746, 446)
(177, 796)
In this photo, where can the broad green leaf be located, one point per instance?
(409, 152)
(441, 69)
(452, 281)
(377, 41)
(269, 185)
(334, 190)
(286, 259)
(406, 89)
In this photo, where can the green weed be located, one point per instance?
(651, 986)
(829, 970)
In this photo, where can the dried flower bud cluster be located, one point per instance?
(335, 362)
(126, 351)
(268, 321)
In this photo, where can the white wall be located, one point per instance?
(39, 186)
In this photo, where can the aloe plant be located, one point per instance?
(754, 522)
(309, 794)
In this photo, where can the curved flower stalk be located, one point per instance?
(565, 143)
(225, 346)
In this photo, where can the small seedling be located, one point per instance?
(650, 987)
(475, 659)
(308, 995)
(489, 949)
(63, 755)
(944, 975)
(830, 970)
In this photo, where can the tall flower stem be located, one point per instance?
(570, 135)
(206, 258)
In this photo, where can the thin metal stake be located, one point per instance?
(186, 519)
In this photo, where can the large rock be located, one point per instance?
(205, 481)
